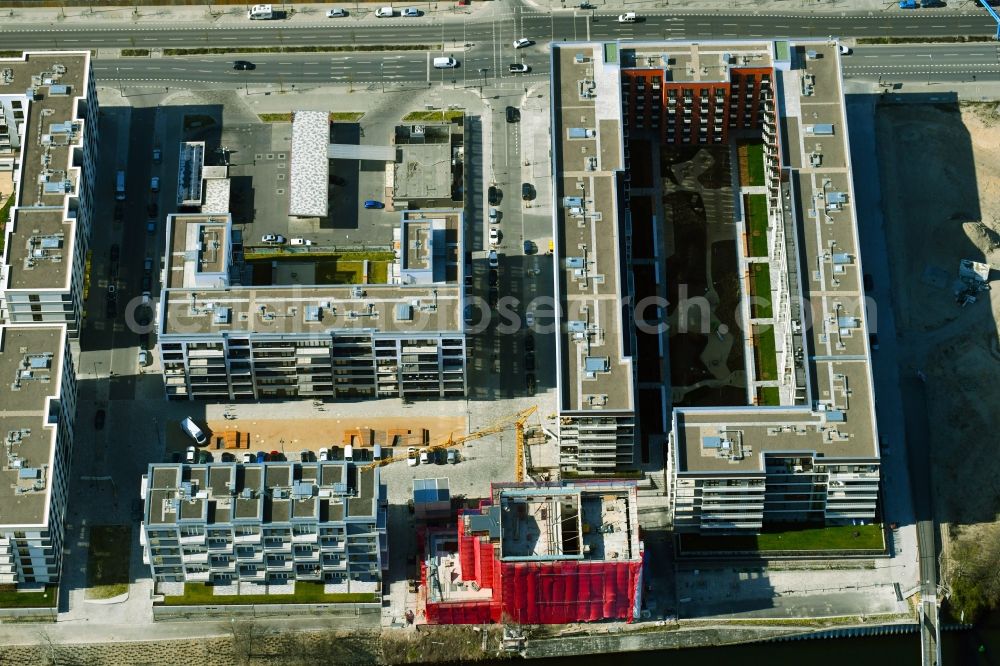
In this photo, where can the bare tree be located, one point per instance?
(243, 632)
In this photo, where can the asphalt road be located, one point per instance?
(941, 62)
(567, 25)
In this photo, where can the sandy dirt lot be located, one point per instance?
(941, 196)
(293, 435)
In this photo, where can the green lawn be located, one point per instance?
(756, 211)
(844, 537)
(764, 353)
(768, 396)
(305, 593)
(346, 116)
(378, 272)
(434, 115)
(760, 289)
(755, 164)
(108, 561)
(8, 203)
(11, 598)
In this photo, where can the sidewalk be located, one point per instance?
(235, 16)
(314, 15)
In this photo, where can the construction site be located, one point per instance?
(942, 221)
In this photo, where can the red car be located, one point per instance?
(463, 3)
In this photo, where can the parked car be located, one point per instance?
(377, 205)
(272, 239)
(411, 12)
(249, 457)
(628, 17)
(425, 456)
(244, 65)
(440, 456)
(411, 456)
(99, 416)
(336, 12)
(261, 457)
(324, 454)
(151, 227)
(873, 341)
(869, 282)
(494, 277)
(529, 319)
(452, 457)
(153, 209)
(154, 183)
(143, 359)
(513, 114)
(493, 297)
(529, 247)
(300, 241)
(383, 12)
(518, 68)
(190, 455)
(494, 236)
(527, 191)
(846, 50)
(157, 155)
(192, 430)
(204, 457)
(494, 195)
(494, 259)
(228, 457)
(494, 215)
(522, 43)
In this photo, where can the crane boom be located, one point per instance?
(500, 425)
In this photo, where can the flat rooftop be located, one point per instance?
(569, 523)
(310, 166)
(266, 493)
(197, 245)
(595, 373)
(198, 250)
(31, 361)
(39, 246)
(423, 166)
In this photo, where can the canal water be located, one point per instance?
(979, 646)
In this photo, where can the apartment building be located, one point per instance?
(788, 433)
(37, 412)
(48, 144)
(269, 523)
(222, 340)
(539, 554)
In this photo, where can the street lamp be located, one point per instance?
(381, 74)
(483, 70)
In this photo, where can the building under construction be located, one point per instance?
(548, 554)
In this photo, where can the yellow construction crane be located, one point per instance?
(522, 418)
(517, 419)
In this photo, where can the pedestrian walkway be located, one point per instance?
(230, 16)
(314, 15)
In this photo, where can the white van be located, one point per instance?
(445, 63)
(349, 453)
(628, 17)
(192, 430)
(383, 12)
(377, 452)
(260, 12)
